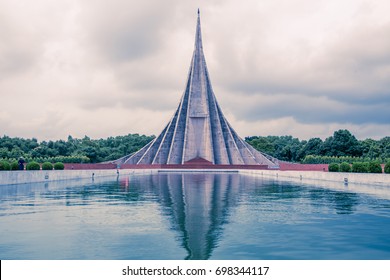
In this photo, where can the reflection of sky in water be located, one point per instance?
(193, 216)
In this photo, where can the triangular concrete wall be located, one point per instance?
(198, 129)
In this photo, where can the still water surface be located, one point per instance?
(193, 216)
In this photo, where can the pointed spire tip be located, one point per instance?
(198, 12)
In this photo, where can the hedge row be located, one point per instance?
(64, 159)
(32, 165)
(359, 167)
(312, 159)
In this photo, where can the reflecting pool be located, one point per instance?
(193, 216)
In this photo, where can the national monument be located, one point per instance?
(198, 132)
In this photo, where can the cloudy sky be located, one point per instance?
(105, 68)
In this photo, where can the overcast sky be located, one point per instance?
(105, 68)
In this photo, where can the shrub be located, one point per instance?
(387, 167)
(4, 165)
(375, 167)
(59, 166)
(333, 167)
(367, 166)
(360, 167)
(33, 165)
(345, 167)
(14, 165)
(47, 166)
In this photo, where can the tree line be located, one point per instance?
(74, 150)
(342, 146)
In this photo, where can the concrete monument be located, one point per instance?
(198, 131)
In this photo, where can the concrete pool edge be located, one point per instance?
(23, 177)
(342, 177)
(38, 176)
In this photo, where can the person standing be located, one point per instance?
(21, 163)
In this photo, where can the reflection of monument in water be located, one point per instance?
(199, 133)
(201, 204)
(197, 205)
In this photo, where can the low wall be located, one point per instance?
(195, 165)
(302, 167)
(89, 166)
(190, 166)
(23, 177)
(355, 178)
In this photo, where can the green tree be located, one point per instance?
(333, 167)
(387, 167)
(92, 153)
(345, 167)
(342, 143)
(312, 147)
(59, 166)
(14, 165)
(33, 165)
(47, 166)
(16, 152)
(370, 148)
(384, 146)
(262, 144)
(4, 153)
(360, 167)
(4, 165)
(375, 167)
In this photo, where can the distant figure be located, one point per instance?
(21, 163)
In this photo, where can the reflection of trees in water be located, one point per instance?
(277, 191)
(342, 202)
(345, 202)
(265, 191)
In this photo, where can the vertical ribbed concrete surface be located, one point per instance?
(198, 131)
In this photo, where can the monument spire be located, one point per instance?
(198, 131)
(198, 34)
